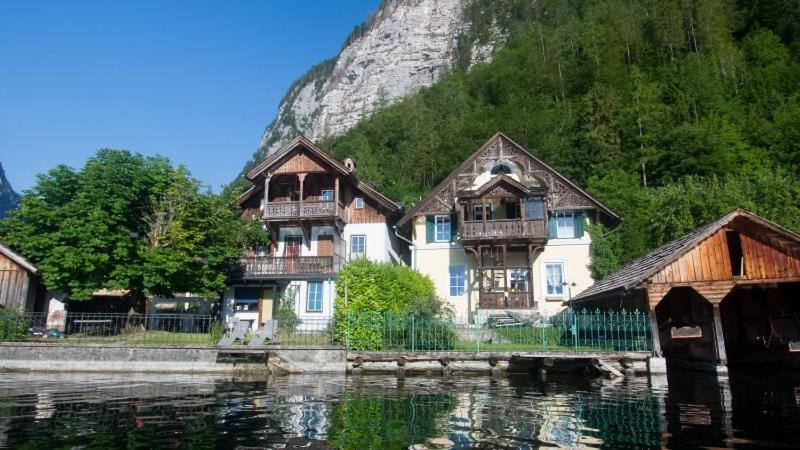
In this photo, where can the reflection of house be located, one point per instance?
(319, 215)
(504, 231)
(729, 290)
(19, 281)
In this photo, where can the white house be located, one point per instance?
(319, 215)
(504, 232)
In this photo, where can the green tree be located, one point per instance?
(125, 221)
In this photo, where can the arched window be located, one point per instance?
(501, 168)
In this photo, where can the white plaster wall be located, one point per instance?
(574, 253)
(306, 250)
(377, 237)
(435, 260)
(312, 319)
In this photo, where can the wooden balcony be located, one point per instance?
(504, 229)
(503, 300)
(276, 266)
(302, 210)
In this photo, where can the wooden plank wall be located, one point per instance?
(709, 261)
(13, 283)
(767, 261)
(300, 162)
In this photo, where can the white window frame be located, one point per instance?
(436, 228)
(321, 298)
(560, 290)
(565, 224)
(363, 252)
(359, 202)
(460, 279)
(512, 273)
(326, 198)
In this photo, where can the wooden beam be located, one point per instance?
(655, 334)
(714, 292)
(266, 190)
(719, 338)
(336, 196)
(656, 293)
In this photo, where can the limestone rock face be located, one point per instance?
(404, 46)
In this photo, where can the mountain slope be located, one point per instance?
(8, 198)
(404, 46)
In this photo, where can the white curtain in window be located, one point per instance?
(554, 279)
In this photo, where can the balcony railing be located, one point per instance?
(505, 300)
(295, 210)
(504, 228)
(261, 266)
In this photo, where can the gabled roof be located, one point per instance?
(494, 181)
(303, 142)
(634, 273)
(17, 259)
(499, 135)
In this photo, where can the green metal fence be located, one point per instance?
(569, 331)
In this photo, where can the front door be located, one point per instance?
(292, 252)
(266, 305)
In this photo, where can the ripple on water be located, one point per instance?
(141, 411)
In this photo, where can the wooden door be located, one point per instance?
(292, 252)
(266, 305)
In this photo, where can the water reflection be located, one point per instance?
(153, 411)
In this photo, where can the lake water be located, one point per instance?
(171, 411)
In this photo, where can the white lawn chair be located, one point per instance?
(238, 332)
(267, 333)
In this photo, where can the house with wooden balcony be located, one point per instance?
(504, 232)
(319, 215)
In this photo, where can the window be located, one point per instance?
(327, 195)
(358, 246)
(442, 229)
(477, 212)
(555, 279)
(501, 168)
(519, 280)
(534, 208)
(359, 202)
(565, 224)
(735, 252)
(246, 299)
(458, 280)
(314, 301)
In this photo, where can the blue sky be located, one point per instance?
(196, 81)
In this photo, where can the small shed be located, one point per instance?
(19, 281)
(727, 292)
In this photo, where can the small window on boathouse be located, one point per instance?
(735, 252)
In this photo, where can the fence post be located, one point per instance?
(413, 335)
(574, 328)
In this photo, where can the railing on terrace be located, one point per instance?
(504, 228)
(259, 266)
(568, 332)
(304, 209)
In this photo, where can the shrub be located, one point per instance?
(287, 319)
(374, 302)
(217, 331)
(13, 324)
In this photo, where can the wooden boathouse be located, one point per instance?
(726, 293)
(19, 281)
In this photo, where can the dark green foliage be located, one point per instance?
(287, 319)
(13, 325)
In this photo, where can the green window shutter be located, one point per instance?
(430, 229)
(580, 222)
(551, 226)
(453, 227)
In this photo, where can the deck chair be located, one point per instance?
(238, 332)
(267, 333)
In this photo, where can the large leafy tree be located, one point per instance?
(125, 221)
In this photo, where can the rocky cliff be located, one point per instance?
(404, 46)
(8, 198)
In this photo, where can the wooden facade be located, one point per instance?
(19, 281)
(727, 291)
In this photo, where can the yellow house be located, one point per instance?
(504, 232)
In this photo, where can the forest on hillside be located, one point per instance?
(671, 112)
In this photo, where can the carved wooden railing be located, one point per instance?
(502, 300)
(260, 266)
(305, 209)
(503, 228)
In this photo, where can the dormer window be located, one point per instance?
(359, 202)
(501, 168)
